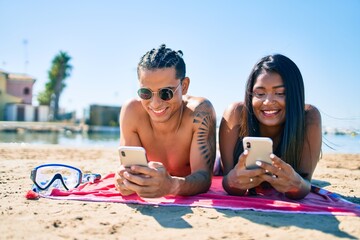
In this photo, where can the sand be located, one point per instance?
(59, 219)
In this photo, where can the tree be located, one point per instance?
(60, 70)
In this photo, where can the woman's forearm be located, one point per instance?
(301, 191)
(230, 186)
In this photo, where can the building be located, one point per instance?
(16, 92)
(104, 115)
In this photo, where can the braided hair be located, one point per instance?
(163, 57)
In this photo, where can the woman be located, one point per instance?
(274, 107)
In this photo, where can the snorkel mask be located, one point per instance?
(59, 175)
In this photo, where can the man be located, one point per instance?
(177, 131)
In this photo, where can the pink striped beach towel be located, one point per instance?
(318, 201)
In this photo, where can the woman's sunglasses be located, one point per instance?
(165, 94)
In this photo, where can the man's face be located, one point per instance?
(158, 109)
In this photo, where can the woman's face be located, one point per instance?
(268, 100)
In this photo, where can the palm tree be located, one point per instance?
(60, 70)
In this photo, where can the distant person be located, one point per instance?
(178, 131)
(274, 107)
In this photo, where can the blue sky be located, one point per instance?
(221, 41)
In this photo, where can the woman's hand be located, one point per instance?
(241, 178)
(283, 177)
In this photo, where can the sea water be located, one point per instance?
(64, 139)
(332, 143)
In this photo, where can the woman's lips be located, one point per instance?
(270, 112)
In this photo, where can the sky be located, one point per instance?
(221, 42)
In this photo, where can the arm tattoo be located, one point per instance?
(206, 136)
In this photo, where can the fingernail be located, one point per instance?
(258, 163)
(246, 152)
(272, 155)
(266, 170)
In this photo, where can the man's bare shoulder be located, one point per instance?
(195, 103)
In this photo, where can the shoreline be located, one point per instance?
(23, 126)
(54, 127)
(332, 144)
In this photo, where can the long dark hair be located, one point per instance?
(292, 140)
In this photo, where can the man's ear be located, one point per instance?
(185, 85)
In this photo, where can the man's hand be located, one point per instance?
(119, 182)
(150, 182)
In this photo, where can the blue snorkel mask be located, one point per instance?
(59, 176)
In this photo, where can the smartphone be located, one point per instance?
(259, 149)
(130, 155)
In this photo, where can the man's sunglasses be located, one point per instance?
(165, 94)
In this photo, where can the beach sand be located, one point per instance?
(58, 219)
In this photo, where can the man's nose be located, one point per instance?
(156, 100)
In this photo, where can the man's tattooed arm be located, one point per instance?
(205, 119)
